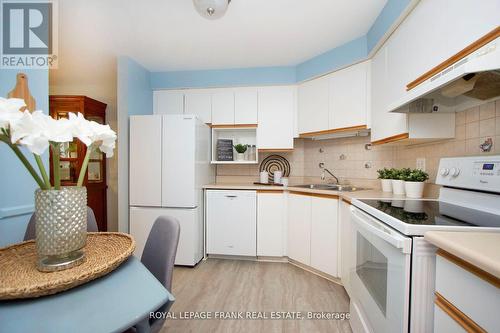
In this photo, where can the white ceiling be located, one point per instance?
(167, 35)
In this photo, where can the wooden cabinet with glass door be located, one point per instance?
(72, 154)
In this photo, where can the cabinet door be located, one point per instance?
(199, 103)
(231, 223)
(168, 102)
(313, 105)
(270, 224)
(324, 235)
(245, 106)
(384, 124)
(145, 164)
(276, 108)
(223, 107)
(344, 246)
(299, 228)
(348, 96)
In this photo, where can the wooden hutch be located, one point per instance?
(73, 153)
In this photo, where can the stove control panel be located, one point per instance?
(476, 172)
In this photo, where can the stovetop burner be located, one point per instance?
(434, 213)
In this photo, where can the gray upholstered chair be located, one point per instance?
(159, 256)
(91, 225)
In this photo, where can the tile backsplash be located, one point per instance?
(356, 161)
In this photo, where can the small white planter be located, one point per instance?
(386, 185)
(414, 189)
(398, 187)
(240, 157)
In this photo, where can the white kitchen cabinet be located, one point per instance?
(245, 106)
(324, 235)
(199, 103)
(223, 107)
(299, 228)
(145, 188)
(313, 105)
(270, 223)
(349, 89)
(276, 118)
(344, 244)
(231, 222)
(168, 102)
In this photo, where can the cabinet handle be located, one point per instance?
(231, 196)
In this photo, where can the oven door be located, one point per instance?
(380, 274)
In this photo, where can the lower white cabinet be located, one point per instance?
(299, 228)
(324, 234)
(231, 222)
(271, 224)
(344, 246)
(313, 231)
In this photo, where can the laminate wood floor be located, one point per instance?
(240, 286)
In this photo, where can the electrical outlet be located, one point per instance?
(421, 164)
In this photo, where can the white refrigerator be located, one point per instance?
(169, 162)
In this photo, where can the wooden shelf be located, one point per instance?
(234, 162)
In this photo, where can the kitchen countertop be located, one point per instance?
(480, 249)
(348, 196)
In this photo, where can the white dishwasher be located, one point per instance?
(231, 222)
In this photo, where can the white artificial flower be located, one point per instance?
(60, 130)
(10, 111)
(81, 128)
(104, 137)
(29, 131)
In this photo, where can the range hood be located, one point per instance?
(470, 81)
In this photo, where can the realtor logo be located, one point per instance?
(29, 37)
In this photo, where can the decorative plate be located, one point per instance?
(273, 163)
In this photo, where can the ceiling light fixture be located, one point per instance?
(211, 9)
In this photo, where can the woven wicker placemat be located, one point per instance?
(19, 277)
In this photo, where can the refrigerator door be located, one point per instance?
(179, 162)
(190, 248)
(145, 157)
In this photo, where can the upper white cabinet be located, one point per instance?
(349, 92)
(324, 235)
(271, 224)
(313, 100)
(223, 107)
(414, 48)
(168, 102)
(199, 103)
(245, 106)
(337, 101)
(276, 118)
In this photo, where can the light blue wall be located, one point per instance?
(134, 97)
(336, 58)
(134, 87)
(332, 60)
(389, 14)
(223, 78)
(16, 185)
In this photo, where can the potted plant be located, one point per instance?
(414, 183)
(398, 180)
(385, 179)
(240, 149)
(60, 211)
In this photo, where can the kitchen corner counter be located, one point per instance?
(347, 196)
(480, 249)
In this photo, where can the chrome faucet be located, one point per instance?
(322, 166)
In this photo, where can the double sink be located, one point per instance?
(331, 187)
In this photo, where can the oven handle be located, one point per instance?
(377, 228)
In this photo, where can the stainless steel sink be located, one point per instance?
(331, 187)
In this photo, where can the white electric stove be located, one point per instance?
(392, 267)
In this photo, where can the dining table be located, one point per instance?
(113, 303)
